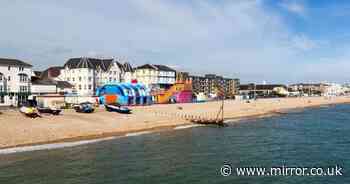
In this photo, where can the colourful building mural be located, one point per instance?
(180, 92)
(124, 94)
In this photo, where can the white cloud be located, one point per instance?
(236, 38)
(304, 43)
(293, 6)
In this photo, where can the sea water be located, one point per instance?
(315, 137)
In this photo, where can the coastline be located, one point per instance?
(157, 118)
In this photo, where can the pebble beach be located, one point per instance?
(18, 130)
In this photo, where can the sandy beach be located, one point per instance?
(18, 130)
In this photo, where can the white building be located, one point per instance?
(52, 76)
(15, 85)
(129, 74)
(44, 86)
(334, 89)
(155, 76)
(87, 74)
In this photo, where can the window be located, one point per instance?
(79, 87)
(23, 78)
(73, 79)
(9, 78)
(90, 87)
(20, 69)
(115, 72)
(110, 79)
(79, 79)
(0, 77)
(90, 79)
(23, 89)
(68, 78)
(2, 99)
(9, 68)
(1, 88)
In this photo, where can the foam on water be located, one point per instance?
(51, 146)
(186, 126)
(137, 133)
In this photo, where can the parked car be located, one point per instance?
(85, 107)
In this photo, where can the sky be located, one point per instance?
(273, 41)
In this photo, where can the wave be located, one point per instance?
(51, 146)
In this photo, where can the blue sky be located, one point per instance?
(256, 40)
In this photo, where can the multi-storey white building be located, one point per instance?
(14, 81)
(87, 74)
(155, 76)
(333, 89)
(129, 74)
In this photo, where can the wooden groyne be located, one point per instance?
(203, 121)
(218, 120)
(196, 119)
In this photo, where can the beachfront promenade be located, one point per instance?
(17, 130)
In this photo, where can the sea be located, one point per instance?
(316, 139)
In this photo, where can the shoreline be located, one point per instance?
(160, 126)
(101, 136)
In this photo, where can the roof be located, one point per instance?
(156, 67)
(147, 66)
(59, 84)
(38, 73)
(93, 63)
(14, 62)
(64, 84)
(51, 72)
(309, 84)
(260, 86)
(164, 68)
(127, 67)
(43, 82)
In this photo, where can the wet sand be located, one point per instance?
(18, 130)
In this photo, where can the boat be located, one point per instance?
(29, 111)
(49, 110)
(85, 107)
(117, 108)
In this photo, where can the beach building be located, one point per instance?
(44, 86)
(309, 89)
(15, 84)
(263, 90)
(211, 85)
(334, 89)
(88, 74)
(182, 76)
(53, 75)
(47, 90)
(155, 76)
